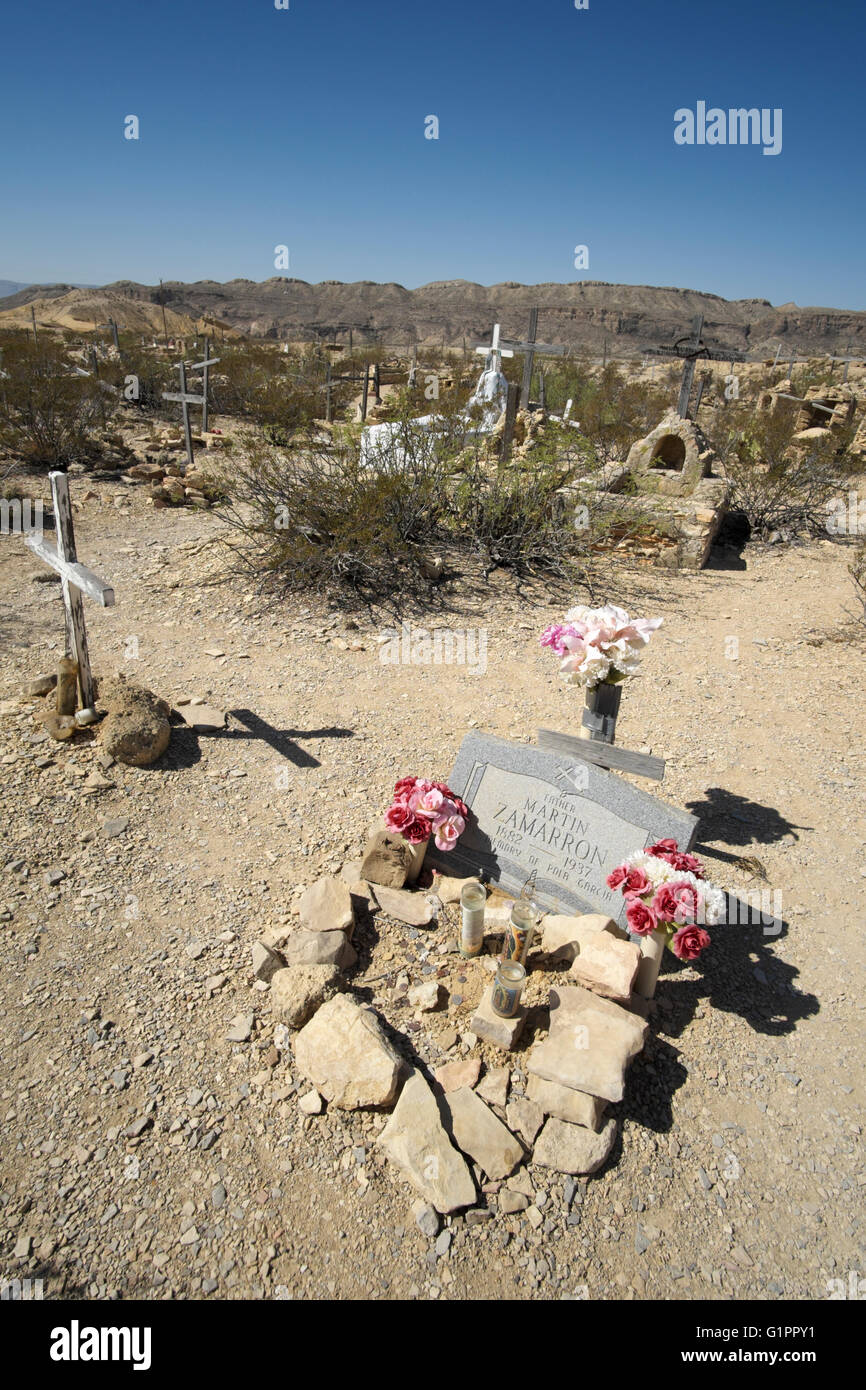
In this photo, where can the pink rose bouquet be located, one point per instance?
(666, 890)
(599, 644)
(421, 808)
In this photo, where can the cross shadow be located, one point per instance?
(281, 740)
(743, 822)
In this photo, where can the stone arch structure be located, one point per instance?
(673, 458)
(669, 452)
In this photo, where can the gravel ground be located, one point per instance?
(145, 1155)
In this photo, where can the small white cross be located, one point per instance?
(495, 350)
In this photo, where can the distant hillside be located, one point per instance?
(83, 309)
(582, 315)
(8, 287)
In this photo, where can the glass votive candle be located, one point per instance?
(518, 936)
(473, 899)
(507, 988)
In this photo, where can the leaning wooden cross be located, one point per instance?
(76, 579)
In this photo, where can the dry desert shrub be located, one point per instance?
(780, 484)
(48, 411)
(312, 516)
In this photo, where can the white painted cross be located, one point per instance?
(495, 351)
(76, 579)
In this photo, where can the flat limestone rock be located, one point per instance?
(448, 889)
(426, 997)
(451, 1076)
(41, 685)
(606, 966)
(481, 1135)
(590, 1043)
(525, 1118)
(493, 1086)
(503, 1032)
(412, 908)
(415, 1139)
(572, 1148)
(387, 859)
(265, 961)
(561, 936)
(298, 990)
(319, 948)
(566, 1104)
(203, 718)
(327, 906)
(343, 1051)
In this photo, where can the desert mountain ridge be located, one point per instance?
(588, 314)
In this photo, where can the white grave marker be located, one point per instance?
(77, 580)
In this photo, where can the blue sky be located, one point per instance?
(305, 127)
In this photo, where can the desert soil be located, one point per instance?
(127, 918)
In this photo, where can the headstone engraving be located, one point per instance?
(528, 816)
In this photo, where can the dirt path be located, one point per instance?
(736, 1173)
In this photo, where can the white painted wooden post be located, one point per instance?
(76, 581)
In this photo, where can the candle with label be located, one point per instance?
(518, 937)
(507, 988)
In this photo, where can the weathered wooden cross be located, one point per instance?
(691, 347)
(188, 398)
(692, 351)
(203, 368)
(76, 580)
(110, 327)
(529, 348)
(847, 361)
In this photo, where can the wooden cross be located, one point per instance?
(691, 348)
(529, 348)
(602, 754)
(694, 348)
(188, 398)
(111, 326)
(76, 579)
(801, 400)
(203, 368)
(847, 361)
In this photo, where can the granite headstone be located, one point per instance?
(526, 816)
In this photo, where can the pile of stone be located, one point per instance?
(454, 1130)
(176, 484)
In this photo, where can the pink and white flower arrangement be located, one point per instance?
(666, 890)
(599, 644)
(421, 809)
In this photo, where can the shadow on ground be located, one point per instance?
(184, 749)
